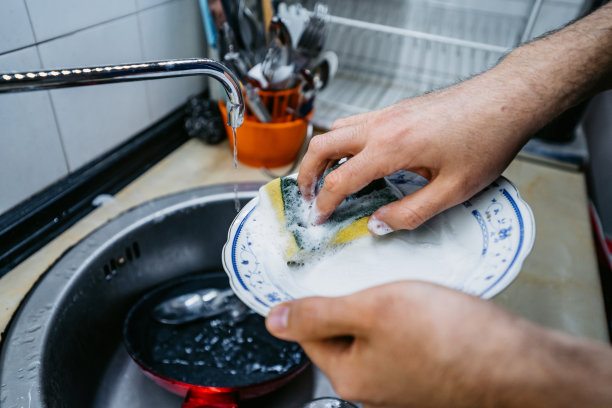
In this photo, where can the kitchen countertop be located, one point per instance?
(558, 285)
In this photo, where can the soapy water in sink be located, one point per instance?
(222, 351)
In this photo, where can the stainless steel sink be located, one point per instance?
(64, 348)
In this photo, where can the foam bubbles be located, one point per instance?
(378, 227)
(430, 253)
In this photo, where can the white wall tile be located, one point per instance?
(31, 155)
(15, 27)
(145, 4)
(172, 30)
(51, 19)
(94, 119)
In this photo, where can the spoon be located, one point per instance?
(329, 402)
(203, 303)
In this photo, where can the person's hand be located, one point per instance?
(402, 344)
(460, 139)
(414, 344)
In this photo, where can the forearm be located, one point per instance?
(555, 370)
(539, 80)
(460, 138)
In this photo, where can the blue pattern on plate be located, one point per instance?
(519, 216)
(253, 279)
(501, 247)
(250, 273)
(483, 230)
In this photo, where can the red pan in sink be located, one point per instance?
(215, 362)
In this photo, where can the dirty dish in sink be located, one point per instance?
(215, 362)
(477, 247)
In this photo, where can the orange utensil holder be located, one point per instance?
(272, 144)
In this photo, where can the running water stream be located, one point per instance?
(235, 148)
(236, 201)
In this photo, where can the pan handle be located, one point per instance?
(195, 399)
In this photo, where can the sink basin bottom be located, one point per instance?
(64, 347)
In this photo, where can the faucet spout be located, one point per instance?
(64, 78)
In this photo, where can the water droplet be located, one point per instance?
(31, 357)
(32, 329)
(33, 366)
(25, 340)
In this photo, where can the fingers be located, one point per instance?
(351, 120)
(347, 179)
(313, 319)
(327, 354)
(325, 327)
(325, 149)
(414, 209)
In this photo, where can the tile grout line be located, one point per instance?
(59, 130)
(55, 119)
(50, 97)
(25, 4)
(142, 54)
(36, 43)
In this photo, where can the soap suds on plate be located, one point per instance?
(430, 253)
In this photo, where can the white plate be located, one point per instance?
(477, 247)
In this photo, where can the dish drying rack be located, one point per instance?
(390, 50)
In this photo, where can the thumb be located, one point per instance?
(414, 209)
(311, 319)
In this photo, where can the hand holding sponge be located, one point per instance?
(347, 223)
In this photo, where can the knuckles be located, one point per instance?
(334, 182)
(317, 145)
(409, 218)
(338, 123)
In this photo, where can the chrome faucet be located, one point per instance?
(64, 78)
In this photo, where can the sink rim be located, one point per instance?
(22, 346)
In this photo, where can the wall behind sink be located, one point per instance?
(45, 135)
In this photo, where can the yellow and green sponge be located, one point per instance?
(347, 223)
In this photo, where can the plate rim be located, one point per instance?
(236, 283)
(516, 265)
(519, 205)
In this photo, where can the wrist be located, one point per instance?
(550, 368)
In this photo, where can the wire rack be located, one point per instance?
(393, 49)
